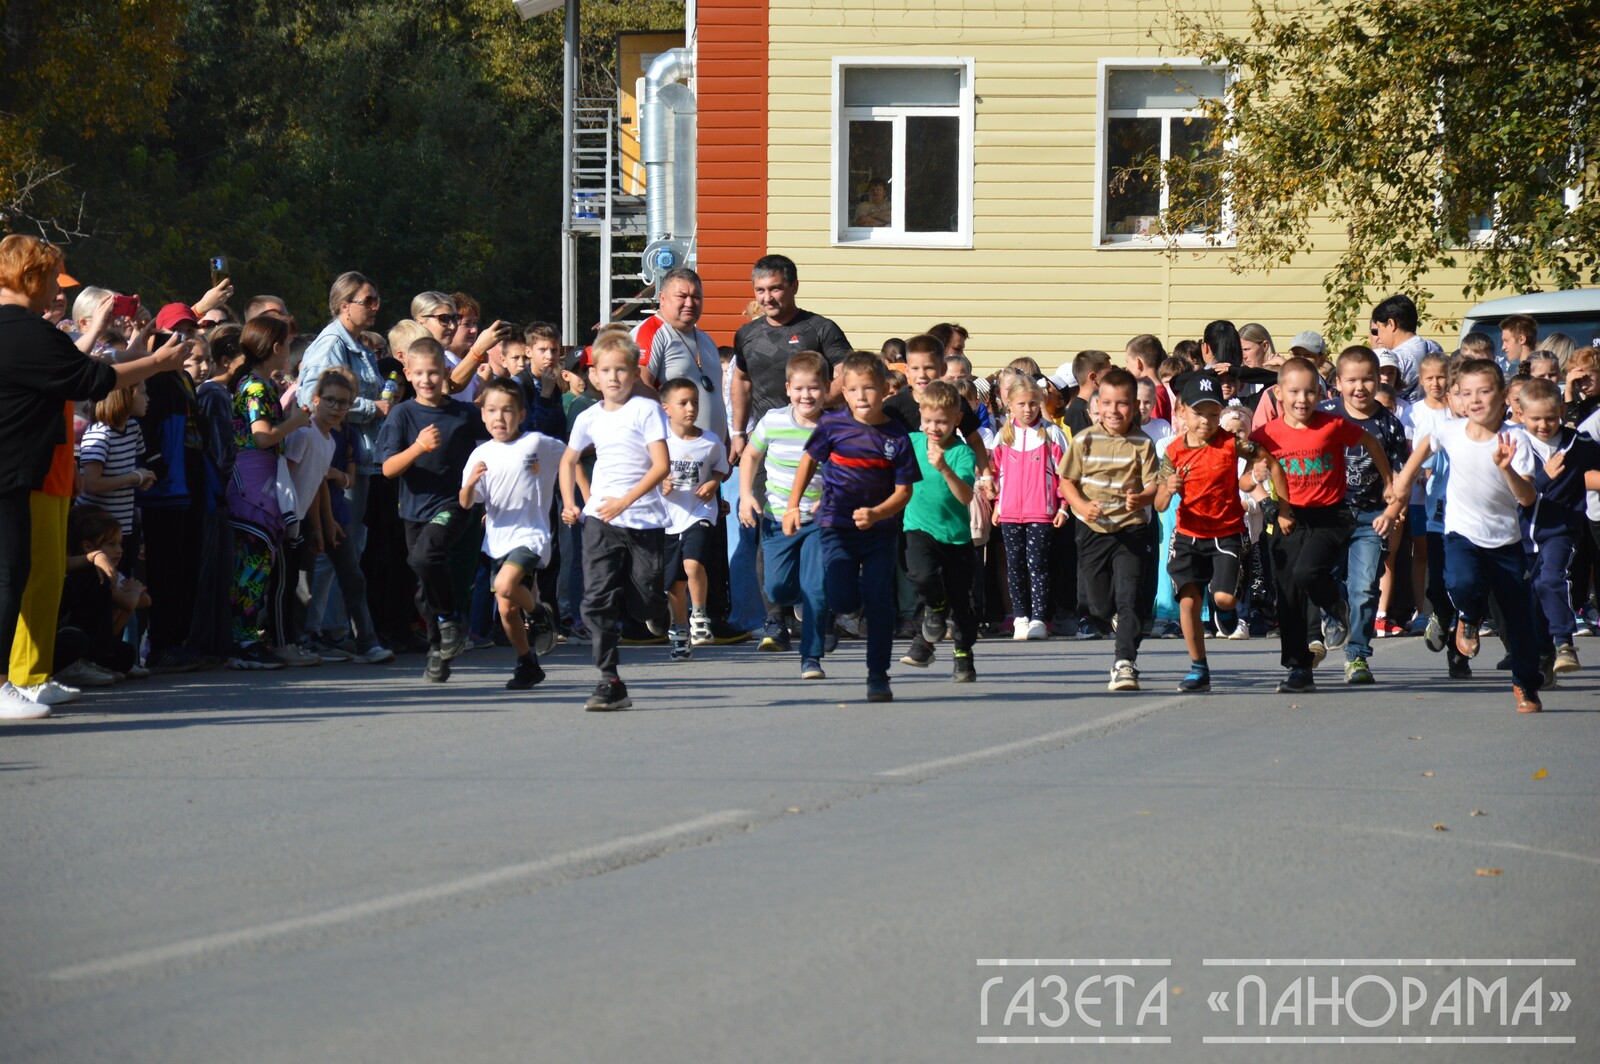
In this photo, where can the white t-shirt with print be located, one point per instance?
(311, 453)
(693, 463)
(516, 491)
(1478, 503)
(621, 440)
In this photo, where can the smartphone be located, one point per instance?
(219, 268)
(124, 307)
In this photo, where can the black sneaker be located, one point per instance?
(965, 671)
(174, 659)
(1336, 625)
(1460, 670)
(1198, 679)
(452, 639)
(920, 654)
(541, 628)
(255, 657)
(1299, 681)
(933, 622)
(609, 694)
(438, 669)
(774, 637)
(878, 688)
(830, 640)
(725, 634)
(526, 675)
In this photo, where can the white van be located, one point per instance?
(1575, 312)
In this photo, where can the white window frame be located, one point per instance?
(895, 236)
(1132, 241)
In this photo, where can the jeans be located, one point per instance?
(858, 574)
(794, 575)
(1304, 562)
(1363, 565)
(1113, 567)
(345, 562)
(1471, 574)
(942, 574)
(1551, 563)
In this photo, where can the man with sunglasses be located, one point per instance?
(671, 345)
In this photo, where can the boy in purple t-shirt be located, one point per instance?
(871, 468)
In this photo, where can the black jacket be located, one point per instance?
(40, 372)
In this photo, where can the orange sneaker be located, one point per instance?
(1527, 701)
(1466, 639)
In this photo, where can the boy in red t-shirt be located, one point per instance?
(1202, 467)
(1309, 444)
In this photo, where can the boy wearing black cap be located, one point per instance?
(1202, 468)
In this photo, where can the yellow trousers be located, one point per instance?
(34, 648)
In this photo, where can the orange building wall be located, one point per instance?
(731, 182)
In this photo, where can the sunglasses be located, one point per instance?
(444, 319)
(371, 302)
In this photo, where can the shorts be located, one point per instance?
(692, 544)
(525, 558)
(1213, 562)
(1417, 518)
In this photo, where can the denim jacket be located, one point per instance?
(334, 346)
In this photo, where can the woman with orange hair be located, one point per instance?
(44, 374)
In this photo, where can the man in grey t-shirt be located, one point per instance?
(671, 345)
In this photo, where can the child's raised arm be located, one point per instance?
(468, 495)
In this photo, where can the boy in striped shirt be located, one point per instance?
(794, 563)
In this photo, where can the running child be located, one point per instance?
(424, 443)
(514, 474)
(793, 559)
(1027, 454)
(870, 470)
(1108, 478)
(938, 522)
(624, 521)
(1310, 445)
(1491, 474)
(694, 501)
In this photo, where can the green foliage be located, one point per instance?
(1404, 120)
(412, 140)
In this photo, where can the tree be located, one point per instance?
(1412, 123)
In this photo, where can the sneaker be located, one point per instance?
(774, 638)
(173, 660)
(526, 674)
(1198, 678)
(657, 626)
(830, 640)
(578, 633)
(438, 669)
(1019, 629)
(14, 705)
(933, 622)
(1357, 672)
(137, 672)
(1547, 672)
(1087, 630)
(920, 654)
(609, 694)
(725, 634)
(1527, 701)
(851, 625)
(1433, 635)
(1299, 681)
(376, 654)
(296, 657)
(811, 669)
(965, 670)
(1384, 628)
(452, 639)
(1566, 659)
(1318, 652)
(681, 650)
(906, 628)
(1336, 625)
(699, 629)
(1460, 670)
(50, 693)
(878, 688)
(85, 673)
(541, 627)
(255, 657)
(1037, 630)
(477, 642)
(1124, 677)
(324, 651)
(1240, 630)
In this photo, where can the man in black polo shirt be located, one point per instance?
(761, 353)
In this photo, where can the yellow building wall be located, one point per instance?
(1034, 283)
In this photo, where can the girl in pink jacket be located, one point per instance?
(1026, 456)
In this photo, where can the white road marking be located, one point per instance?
(1433, 836)
(638, 847)
(1048, 739)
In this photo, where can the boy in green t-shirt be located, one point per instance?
(938, 527)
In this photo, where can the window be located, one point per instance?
(1150, 114)
(903, 152)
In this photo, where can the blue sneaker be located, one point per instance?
(774, 638)
(1198, 679)
(811, 669)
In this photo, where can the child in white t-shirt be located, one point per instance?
(1491, 472)
(694, 506)
(513, 474)
(624, 521)
(309, 452)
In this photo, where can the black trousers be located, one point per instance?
(428, 555)
(172, 550)
(1305, 563)
(16, 559)
(1114, 567)
(942, 575)
(391, 587)
(621, 572)
(285, 620)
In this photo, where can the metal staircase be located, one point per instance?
(599, 207)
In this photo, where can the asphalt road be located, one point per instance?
(344, 864)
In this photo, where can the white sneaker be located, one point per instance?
(85, 673)
(1019, 629)
(296, 657)
(49, 693)
(14, 705)
(1240, 631)
(1037, 630)
(375, 656)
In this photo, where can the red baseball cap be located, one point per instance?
(175, 314)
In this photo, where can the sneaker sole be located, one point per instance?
(1288, 689)
(814, 674)
(1123, 685)
(872, 697)
(609, 707)
(771, 646)
(252, 666)
(914, 663)
(1199, 689)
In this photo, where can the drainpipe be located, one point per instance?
(663, 175)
